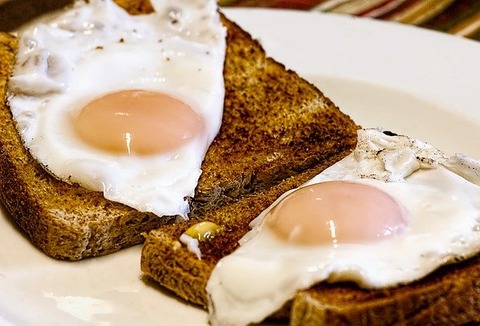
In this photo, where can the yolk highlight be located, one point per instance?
(137, 122)
(335, 212)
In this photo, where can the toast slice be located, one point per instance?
(270, 131)
(449, 296)
(65, 221)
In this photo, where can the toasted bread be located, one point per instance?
(275, 125)
(65, 221)
(449, 296)
(270, 131)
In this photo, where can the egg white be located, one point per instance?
(441, 196)
(96, 48)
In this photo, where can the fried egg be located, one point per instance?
(123, 104)
(389, 213)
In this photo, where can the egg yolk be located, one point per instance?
(330, 213)
(137, 122)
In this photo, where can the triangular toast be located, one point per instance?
(270, 131)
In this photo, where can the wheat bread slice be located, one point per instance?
(270, 131)
(65, 221)
(448, 296)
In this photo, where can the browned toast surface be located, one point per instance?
(270, 130)
(275, 125)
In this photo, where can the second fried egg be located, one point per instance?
(389, 213)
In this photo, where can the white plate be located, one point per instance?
(424, 84)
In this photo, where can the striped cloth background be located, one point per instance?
(459, 17)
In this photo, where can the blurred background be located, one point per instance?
(459, 17)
